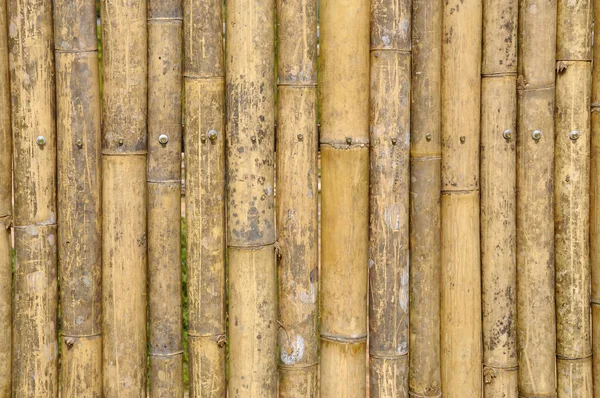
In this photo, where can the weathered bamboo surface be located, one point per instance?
(389, 198)
(498, 198)
(461, 346)
(595, 201)
(297, 198)
(425, 174)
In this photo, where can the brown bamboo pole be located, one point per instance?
(389, 197)
(536, 327)
(297, 198)
(425, 172)
(205, 195)
(34, 338)
(79, 215)
(344, 95)
(5, 211)
(165, 50)
(571, 198)
(250, 204)
(461, 350)
(498, 197)
(124, 204)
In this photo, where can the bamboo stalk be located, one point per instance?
(34, 338)
(165, 21)
(250, 210)
(498, 197)
(461, 346)
(297, 198)
(5, 211)
(389, 198)
(205, 195)
(344, 94)
(124, 204)
(425, 173)
(571, 196)
(536, 327)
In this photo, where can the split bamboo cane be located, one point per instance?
(389, 197)
(124, 109)
(250, 209)
(571, 198)
(79, 193)
(498, 198)
(205, 195)
(5, 211)
(34, 338)
(461, 346)
(165, 20)
(536, 327)
(425, 173)
(297, 198)
(344, 93)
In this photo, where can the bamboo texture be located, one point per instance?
(124, 203)
(79, 196)
(297, 198)
(594, 204)
(389, 198)
(498, 198)
(165, 50)
(536, 325)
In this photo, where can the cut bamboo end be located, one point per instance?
(75, 26)
(500, 382)
(203, 38)
(207, 366)
(388, 377)
(574, 30)
(166, 378)
(298, 381)
(499, 55)
(80, 376)
(574, 377)
(391, 25)
(347, 359)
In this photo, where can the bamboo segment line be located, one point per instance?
(297, 198)
(35, 300)
(536, 327)
(389, 198)
(5, 211)
(425, 174)
(498, 197)
(594, 204)
(461, 324)
(165, 42)
(124, 203)
(571, 198)
(79, 196)
(250, 204)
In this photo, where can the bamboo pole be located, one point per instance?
(425, 172)
(571, 198)
(205, 195)
(498, 197)
(297, 198)
(344, 93)
(461, 350)
(250, 209)
(389, 198)
(79, 216)
(5, 211)
(34, 338)
(165, 21)
(536, 327)
(124, 204)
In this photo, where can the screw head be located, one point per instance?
(394, 141)
(349, 140)
(300, 137)
(40, 140)
(121, 141)
(79, 144)
(428, 137)
(536, 135)
(574, 135)
(212, 135)
(507, 134)
(163, 139)
(463, 139)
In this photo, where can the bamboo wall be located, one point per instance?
(383, 198)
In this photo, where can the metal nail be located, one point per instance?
(41, 140)
(507, 134)
(394, 141)
(536, 135)
(253, 139)
(212, 135)
(300, 137)
(349, 140)
(121, 141)
(574, 135)
(463, 139)
(428, 137)
(163, 139)
(79, 144)
(203, 138)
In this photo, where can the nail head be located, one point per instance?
(41, 140)
(163, 138)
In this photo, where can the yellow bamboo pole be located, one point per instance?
(425, 172)
(205, 195)
(389, 197)
(461, 349)
(250, 204)
(79, 215)
(498, 197)
(124, 204)
(34, 338)
(344, 94)
(297, 198)
(165, 21)
(571, 198)
(536, 327)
